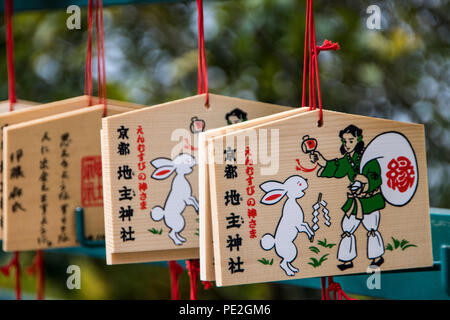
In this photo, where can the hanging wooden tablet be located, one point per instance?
(348, 196)
(19, 105)
(150, 157)
(22, 113)
(5, 107)
(205, 224)
(52, 165)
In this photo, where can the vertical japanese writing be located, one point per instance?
(16, 174)
(233, 198)
(141, 167)
(126, 195)
(251, 211)
(63, 194)
(1, 175)
(43, 179)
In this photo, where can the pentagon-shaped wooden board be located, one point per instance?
(348, 196)
(19, 105)
(53, 165)
(151, 197)
(22, 113)
(4, 108)
(206, 239)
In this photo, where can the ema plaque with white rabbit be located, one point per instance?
(180, 194)
(349, 196)
(149, 163)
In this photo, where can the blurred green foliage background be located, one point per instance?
(254, 51)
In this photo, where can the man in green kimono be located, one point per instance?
(364, 199)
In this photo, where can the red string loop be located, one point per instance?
(207, 285)
(202, 77)
(101, 71)
(101, 54)
(10, 54)
(310, 63)
(328, 45)
(14, 263)
(193, 267)
(175, 271)
(88, 67)
(334, 288)
(37, 269)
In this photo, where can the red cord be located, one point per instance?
(10, 53)
(37, 268)
(40, 275)
(305, 54)
(175, 271)
(100, 40)
(207, 285)
(333, 287)
(101, 54)
(202, 77)
(193, 267)
(323, 283)
(14, 263)
(88, 68)
(310, 63)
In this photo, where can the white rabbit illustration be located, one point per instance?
(180, 194)
(291, 222)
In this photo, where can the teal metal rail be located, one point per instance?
(424, 283)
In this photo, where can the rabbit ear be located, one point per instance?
(161, 162)
(164, 168)
(271, 185)
(163, 172)
(273, 197)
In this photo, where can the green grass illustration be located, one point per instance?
(265, 261)
(314, 249)
(324, 243)
(396, 244)
(317, 263)
(197, 232)
(155, 231)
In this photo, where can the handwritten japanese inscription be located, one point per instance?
(51, 170)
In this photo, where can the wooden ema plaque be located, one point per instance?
(347, 197)
(151, 183)
(23, 113)
(19, 105)
(52, 166)
(4, 108)
(206, 238)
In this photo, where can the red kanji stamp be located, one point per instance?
(401, 174)
(91, 182)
